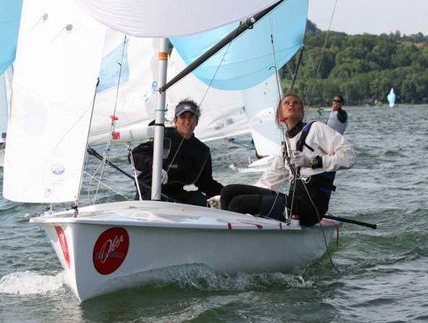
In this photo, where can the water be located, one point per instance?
(382, 274)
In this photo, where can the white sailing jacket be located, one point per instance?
(336, 154)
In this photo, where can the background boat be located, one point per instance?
(391, 98)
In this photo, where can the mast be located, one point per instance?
(159, 123)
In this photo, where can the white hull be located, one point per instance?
(151, 235)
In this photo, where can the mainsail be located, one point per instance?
(49, 122)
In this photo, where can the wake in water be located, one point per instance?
(200, 277)
(30, 283)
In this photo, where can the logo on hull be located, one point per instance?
(110, 250)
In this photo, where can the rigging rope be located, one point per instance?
(324, 47)
(105, 185)
(213, 77)
(106, 151)
(275, 67)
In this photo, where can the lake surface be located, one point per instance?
(378, 275)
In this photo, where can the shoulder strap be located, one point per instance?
(301, 142)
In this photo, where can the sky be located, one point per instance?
(371, 16)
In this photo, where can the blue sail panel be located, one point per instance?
(10, 14)
(252, 57)
(113, 64)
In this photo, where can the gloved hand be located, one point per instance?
(164, 177)
(214, 202)
(299, 159)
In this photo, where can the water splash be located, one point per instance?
(30, 283)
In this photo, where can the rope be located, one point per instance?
(324, 47)
(275, 67)
(321, 228)
(105, 185)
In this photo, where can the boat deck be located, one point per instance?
(164, 214)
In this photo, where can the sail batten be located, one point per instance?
(57, 66)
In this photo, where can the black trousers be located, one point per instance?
(253, 200)
(263, 202)
(310, 208)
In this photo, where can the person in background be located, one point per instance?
(309, 159)
(338, 119)
(188, 161)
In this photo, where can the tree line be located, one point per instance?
(362, 68)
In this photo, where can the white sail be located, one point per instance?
(130, 97)
(222, 112)
(168, 18)
(391, 98)
(56, 70)
(260, 104)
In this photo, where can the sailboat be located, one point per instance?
(107, 247)
(391, 98)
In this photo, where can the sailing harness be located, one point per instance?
(323, 181)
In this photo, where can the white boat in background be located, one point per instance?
(112, 246)
(391, 98)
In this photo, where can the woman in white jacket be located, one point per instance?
(308, 160)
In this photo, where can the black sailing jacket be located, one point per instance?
(188, 164)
